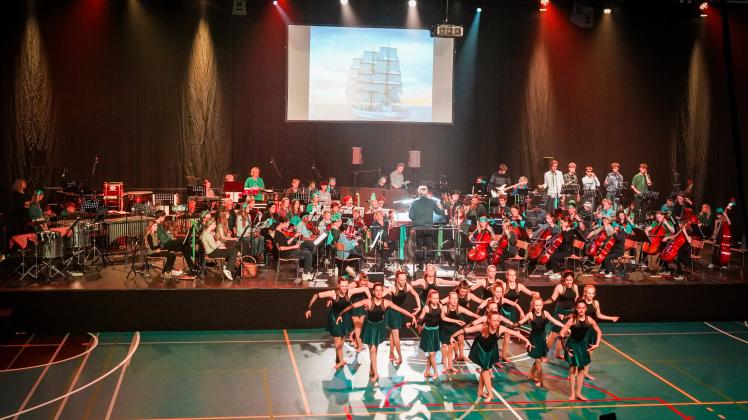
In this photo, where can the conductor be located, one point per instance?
(421, 214)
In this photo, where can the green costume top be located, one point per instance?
(259, 183)
(640, 183)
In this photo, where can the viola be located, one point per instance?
(605, 249)
(597, 243)
(551, 248)
(726, 239)
(479, 251)
(656, 235)
(536, 248)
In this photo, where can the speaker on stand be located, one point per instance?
(414, 163)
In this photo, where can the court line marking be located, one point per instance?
(41, 376)
(91, 347)
(726, 333)
(117, 387)
(128, 356)
(506, 404)
(19, 353)
(75, 380)
(296, 372)
(650, 371)
(485, 409)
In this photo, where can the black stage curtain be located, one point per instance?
(167, 89)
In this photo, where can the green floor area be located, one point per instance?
(642, 371)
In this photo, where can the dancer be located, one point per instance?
(341, 299)
(358, 312)
(498, 297)
(432, 315)
(374, 329)
(464, 297)
(564, 295)
(538, 318)
(594, 312)
(430, 281)
(485, 349)
(578, 347)
(452, 310)
(399, 292)
(508, 311)
(486, 284)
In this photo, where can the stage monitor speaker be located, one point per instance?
(414, 159)
(357, 155)
(608, 416)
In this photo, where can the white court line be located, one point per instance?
(19, 353)
(91, 347)
(727, 333)
(75, 379)
(116, 387)
(506, 404)
(133, 348)
(41, 376)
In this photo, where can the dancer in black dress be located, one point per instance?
(578, 346)
(429, 282)
(484, 286)
(453, 310)
(464, 298)
(594, 312)
(512, 293)
(432, 316)
(341, 299)
(374, 331)
(485, 349)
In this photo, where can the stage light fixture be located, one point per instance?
(343, 2)
(607, 10)
(479, 10)
(411, 3)
(703, 7)
(544, 5)
(275, 2)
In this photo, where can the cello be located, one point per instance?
(605, 249)
(670, 252)
(536, 248)
(725, 239)
(597, 243)
(551, 248)
(479, 251)
(656, 235)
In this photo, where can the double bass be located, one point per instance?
(725, 242)
(479, 251)
(670, 252)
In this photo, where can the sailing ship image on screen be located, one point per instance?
(375, 85)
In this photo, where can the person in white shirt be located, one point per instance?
(590, 185)
(553, 180)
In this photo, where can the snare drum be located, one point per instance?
(80, 237)
(49, 245)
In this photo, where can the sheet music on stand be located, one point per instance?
(570, 189)
(322, 236)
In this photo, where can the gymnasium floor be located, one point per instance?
(642, 371)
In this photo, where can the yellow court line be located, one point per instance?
(651, 372)
(296, 372)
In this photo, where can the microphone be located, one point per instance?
(96, 159)
(272, 161)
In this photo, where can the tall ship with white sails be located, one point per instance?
(375, 85)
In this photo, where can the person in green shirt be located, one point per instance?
(36, 214)
(254, 182)
(640, 184)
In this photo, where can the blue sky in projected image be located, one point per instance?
(332, 50)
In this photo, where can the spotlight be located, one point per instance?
(479, 10)
(607, 10)
(544, 5)
(343, 2)
(412, 3)
(703, 8)
(275, 2)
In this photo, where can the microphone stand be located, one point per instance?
(272, 162)
(316, 171)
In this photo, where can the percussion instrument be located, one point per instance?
(49, 245)
(80, 235)
(113, 194)
(132, 198)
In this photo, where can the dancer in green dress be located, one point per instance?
(512, 292)
(464, 297)
(564, 295)
(452, 310)
(594, 312)
(341, 299)
(485, 349)
(538, 319)
(432, 315)
(578, 347)
(398, 292)
(374, 331)
(357, 314)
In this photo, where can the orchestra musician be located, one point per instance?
(350, 241)
(18, 209)
(297, 208)
(397, 178)
(684, 252)
(574, 217)
(553, 180)
(571, 178)
(244, 222)
(556, 262)
(347, 205)
(310, 190)
(332, 187)
(681, 203)
(381, 182)
(154, 248)
(383, 248)
(284, 209)
(167, 242)
(294, 192)
(500, 179)
(613, 183)
(255, 184)
(421, 214)
(324, 194)
(511, 247)
(519, 192)
(36, 214)
(590, 185)
(326, 222)
(290, 247)
(476, 209)
(659, 220)
(223, 231)
(502, 209)
(706, 219)
(640, 184)
(314, 207)
(209, 193)
(716, 235)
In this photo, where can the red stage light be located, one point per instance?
(544, 5)
(703, 6)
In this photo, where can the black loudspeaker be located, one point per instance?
(5, 324)
(608, 416)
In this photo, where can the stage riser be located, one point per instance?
(139, 310)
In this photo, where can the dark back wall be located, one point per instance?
(160, 90)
